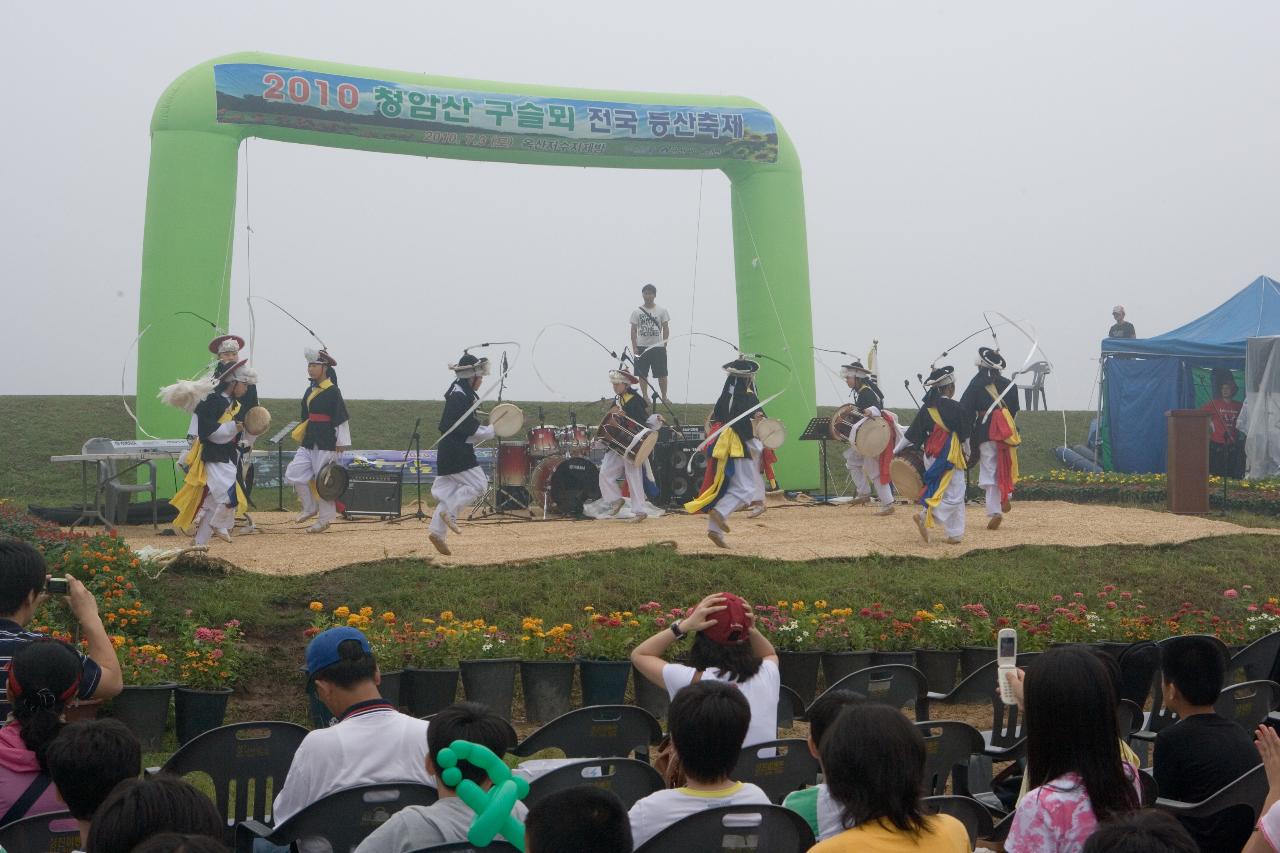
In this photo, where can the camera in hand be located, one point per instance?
(57, 586)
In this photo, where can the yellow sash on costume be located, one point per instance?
(955, 455)
(300, 431)
(728, 446)
(189, 497)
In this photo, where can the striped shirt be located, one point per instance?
(13, 637)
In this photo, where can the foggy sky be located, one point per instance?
(1043, 160)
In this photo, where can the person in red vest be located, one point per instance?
(1226, 442)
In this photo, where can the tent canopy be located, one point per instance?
(1221, 333)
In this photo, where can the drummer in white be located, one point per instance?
(460, 480)
(631, 405)
(865, 470)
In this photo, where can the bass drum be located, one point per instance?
(907, 472)
(562, 484)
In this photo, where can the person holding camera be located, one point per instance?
(24, 586)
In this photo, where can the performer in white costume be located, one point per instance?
(324, 433)
(460, 481)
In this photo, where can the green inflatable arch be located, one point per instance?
(204, 115)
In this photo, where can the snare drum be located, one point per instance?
(843, 420)
(907, 472)
(630, 440)
(562, 484)
(543, 442)
(513, 464)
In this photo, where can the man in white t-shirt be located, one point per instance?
(370, 743)
(650, 331)
(707, 722)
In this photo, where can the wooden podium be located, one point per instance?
(1188, 461)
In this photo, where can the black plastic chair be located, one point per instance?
(240, 758)
(893, 684)
(1248, 790)
(1139, 665)
(1256, 661)
(49, 831)
(495, 846)
(790, 707)
(1128, 719)
(597, 731)
(342, 819)
(948, 745)
(788, 766)
(1249, 703)
(973, 814)
(770, 828)
(1150, 790)
(977, 688)
(626, 778)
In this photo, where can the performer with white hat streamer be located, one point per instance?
(941, 430)
(629, 402)
(324, 433)
(867, 470)
(996, 437)
(460, 480)
(210, 497)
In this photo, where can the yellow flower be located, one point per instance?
(366, 611)
(797, 605)
(821, 604)
(389, 617)
(938, 608)
(784, 604)
(342, 612)
(446, 616)
(315, 606)
(354, 620)
(633, 623)
(588, 609)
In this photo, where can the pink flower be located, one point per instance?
(1057, 598)
(660, 622)
(1230, 593)
(216, 654)
(204, 634)
(1252, 608)
(1109, 588)
(864, 612)
(1126, 595)
(1111, 605)
(1078, 594)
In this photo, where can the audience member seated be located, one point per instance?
(23, 576)
(873, 763)
(172, 842)
(1076, 774)
(87, 760)
(815, 803)
(372, 742)
(1147, 831)
(43, 677)
(1202, 751)
(448, 819)
(597, 823)
(708, 722)
(726, 647)
(1266, 835)
(141, 808)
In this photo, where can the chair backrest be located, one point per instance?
(778, 767)
(976, 689)
(970, 812)
(55, 831)
(947, 747)
(1139, 666)
(1248, 703)
(494, 846)
(1128, 719)
(790, 707)
(1248, 790)
(627, 778)
(597, 731)
(1150, 790)
(1256, 661)
(345, 818)
(247, 763)
(894, 684)
(762, 828)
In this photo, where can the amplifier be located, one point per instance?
(372, 493)
(670, 462)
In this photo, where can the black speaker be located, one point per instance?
(670, 463)
(372, 492)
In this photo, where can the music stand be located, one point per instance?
(819, 429)
(278, 441)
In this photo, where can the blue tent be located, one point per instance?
(1144, 378)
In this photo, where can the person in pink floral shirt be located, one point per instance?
(1074, 766)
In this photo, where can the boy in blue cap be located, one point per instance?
(369, 742)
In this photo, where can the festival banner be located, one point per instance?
(380, 109)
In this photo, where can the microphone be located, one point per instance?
(541, 419)
(573, 417)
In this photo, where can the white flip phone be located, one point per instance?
(1006, 662)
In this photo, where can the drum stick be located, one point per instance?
(906, 383)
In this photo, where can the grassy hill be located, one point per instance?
(44, 426)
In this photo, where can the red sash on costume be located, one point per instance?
(936, 445)
(997, 431)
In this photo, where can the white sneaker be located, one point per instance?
(639, 517)
(452, 522)
(616, 506)
(319, 527)
(224, 535)
(887, 509)
(918, 518)
(305, 515)
(756, 511)
(719, 520)
(717, 537)
(860, 500)
(438, 541)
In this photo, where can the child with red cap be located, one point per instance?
(726, 647)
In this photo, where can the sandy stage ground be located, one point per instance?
(787, 531)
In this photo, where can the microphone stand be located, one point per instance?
(415, 447)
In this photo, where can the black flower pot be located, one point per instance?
(428, 691)
(799, 671)
(650, 696)
(972, 658)
(547, 685)
(604, 682)
(392, 686)
(198, 711)
(939, 667)
(144, 708)
(886, 658)
(491, 683)
(836, 665)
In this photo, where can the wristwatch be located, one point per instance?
(675, 629)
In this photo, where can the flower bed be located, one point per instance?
(1261, 496)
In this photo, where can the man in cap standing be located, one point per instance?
(1121, 328)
